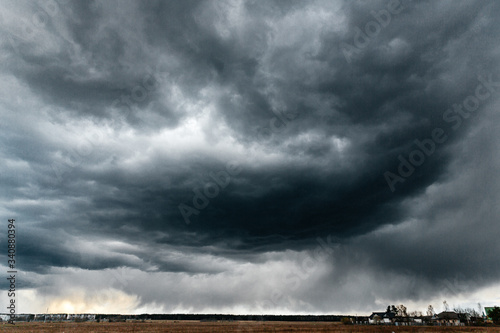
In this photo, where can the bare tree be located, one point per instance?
(401, 311)
(430, 310)
(446, 306)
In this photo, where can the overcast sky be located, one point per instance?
(251, 156)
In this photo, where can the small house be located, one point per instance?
(447, 318)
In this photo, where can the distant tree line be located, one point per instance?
(219, 317)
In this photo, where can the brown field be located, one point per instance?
(241, 326)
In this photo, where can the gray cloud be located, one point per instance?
(117, 114)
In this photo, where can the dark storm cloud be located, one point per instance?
(137, 105)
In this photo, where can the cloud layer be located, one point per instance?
(241, 156)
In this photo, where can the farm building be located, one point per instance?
(447, 318)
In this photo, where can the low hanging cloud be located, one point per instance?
(248, 157)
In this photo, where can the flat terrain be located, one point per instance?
(236, 326)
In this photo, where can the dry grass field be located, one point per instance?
(242, 326)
